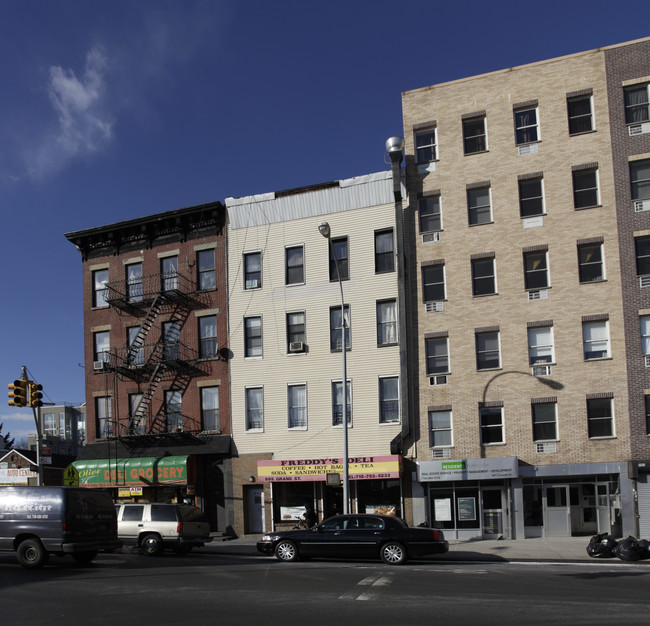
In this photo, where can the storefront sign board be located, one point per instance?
(468, 469)
(16, 476)
(136, 472)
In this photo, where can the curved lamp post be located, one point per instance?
(324, 229)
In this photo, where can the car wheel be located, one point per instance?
(393, 553)
(84, 557)
(286, 550)
(152, 545)
(31, 554)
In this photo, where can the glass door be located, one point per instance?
(557, 515)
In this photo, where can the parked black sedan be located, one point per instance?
(356, 536)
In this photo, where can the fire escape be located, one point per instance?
(155, 353)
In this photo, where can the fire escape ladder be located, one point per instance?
(147, 397)
(144, 329)
(159, 423)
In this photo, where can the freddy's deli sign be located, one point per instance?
(316, 469)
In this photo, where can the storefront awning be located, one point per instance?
(137, 472)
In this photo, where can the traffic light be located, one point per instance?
(18, 393)
(35, 395)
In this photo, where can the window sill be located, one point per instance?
(585, 208)
(591, 282)
(481, 224)
(528, 143)
(599, 358)
(485, 295)
(254, 430)
(602, 438)
(527, 217)
(584, 132)
(491, 445)
(393, 423)
(386, 345)
(489, 369)
(477, 152)
(253, 358)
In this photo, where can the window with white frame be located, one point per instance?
(644, 321)
(526, 125)
(208, 337)
(492, 427)
(433, 282)
(591, 267)
(384, 251)
(210, 408)
(295, 331)
(484, 280)
(595, 338)
(479, 207)
(642, 251)
(169, 273)
(339, 266)
(297, 406)
(387, 322)
(637, 103)
(252, 270)
(430, 214)
(585, 187)
(437, 355)
(134, 281)
(336, 337)
(640, 179)
(540, 345)
(426, 145)
(104, 416)
(388, 399)
(488, 352)
(100, 288)
(440, 429)
(544, 420)
(536, 269)
(295, 265)
(174, 410)
(50, 424)
(337, 402)
(206, 276)
(531, 196)
(101, 346)
(254, 408)
(253, 336)
(600, 416)
(579, 110)
(474, 134)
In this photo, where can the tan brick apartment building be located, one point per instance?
(156, 352)
(530, 210)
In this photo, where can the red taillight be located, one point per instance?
(436, 535)
(179, 528)
(64, 526)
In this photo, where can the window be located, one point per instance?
(135, 354)
(50, 424)
(255, 408)
(600, 417)
(491, 420)
(387, 323)
(487, 350)
(210, 408)
(484, 281)
(252, 336)
(646, 400)
(637, 106)
(590, 262)
(585, 188)
(100, 288)
(531, 197)
(101, 346)
(337, 402)
(206, 277)
(171, 332)
(440, 429)
(640, 179)
(169, 273)
(544, 421)
(437, 355)
(208, 337)
(340, 248)
(536, 269)
(295, 265)
(139, 426)
(642, 250)
(335, 328)
(430, 214)
(433, 282)
(526, 126)
(644, 321)
(297, 406)
(295, 331)
(104, 415)
(595, 337)
(384, 251)
(174, 411)
(252, 270)
(426, 148)
(479, 208)
(580, 115)
(474, 135)
(540, 345)
(134, 282)
(389, 400)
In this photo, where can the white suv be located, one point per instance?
(156, 526)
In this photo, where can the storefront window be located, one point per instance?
(291, 500)
(455, 507)
(379, 496)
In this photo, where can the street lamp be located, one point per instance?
(324, 229)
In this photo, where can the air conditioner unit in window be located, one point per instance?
(296, 346)
(542, 370)
(252, 284)
(638, 129)
(529, 148)
(641, 205)
(546, 448)
(98, 366)
(440, 453)
(644, 281)
(430, 237)
(438, 380)
(646, 360)
(434, 307)
(538, 294)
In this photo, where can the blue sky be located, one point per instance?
(116, 109)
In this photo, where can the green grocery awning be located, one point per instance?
(137, 472)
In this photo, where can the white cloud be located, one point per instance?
(17, 424)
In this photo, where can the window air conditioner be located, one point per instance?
(296, 346)
(434, 307)
(440, 453)
(252, 284)
(542, 370)
(538, 294)
(644, 281)
(98, 366)
(641, 205)
(646, 360)
(430, 237)
(545, 448)
(438, 380)
(638, 129)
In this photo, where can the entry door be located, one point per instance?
(602, 508)
(557, 512)
(255, 509)
(492, 507)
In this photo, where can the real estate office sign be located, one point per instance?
(468, 469)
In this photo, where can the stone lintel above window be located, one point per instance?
(531, 176)
(527, 104)
(469, 116)
(487, 329)
(424, 125)
(432, 262)
(485, 183)
(437, 335)
(585, 166)
(590, 240)
(580, 92)
(540, 248)
(605, 395)
(439, 408)
(546, 400)
(540, 324)
(599, 317)
(482, 255)
(491, 404)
